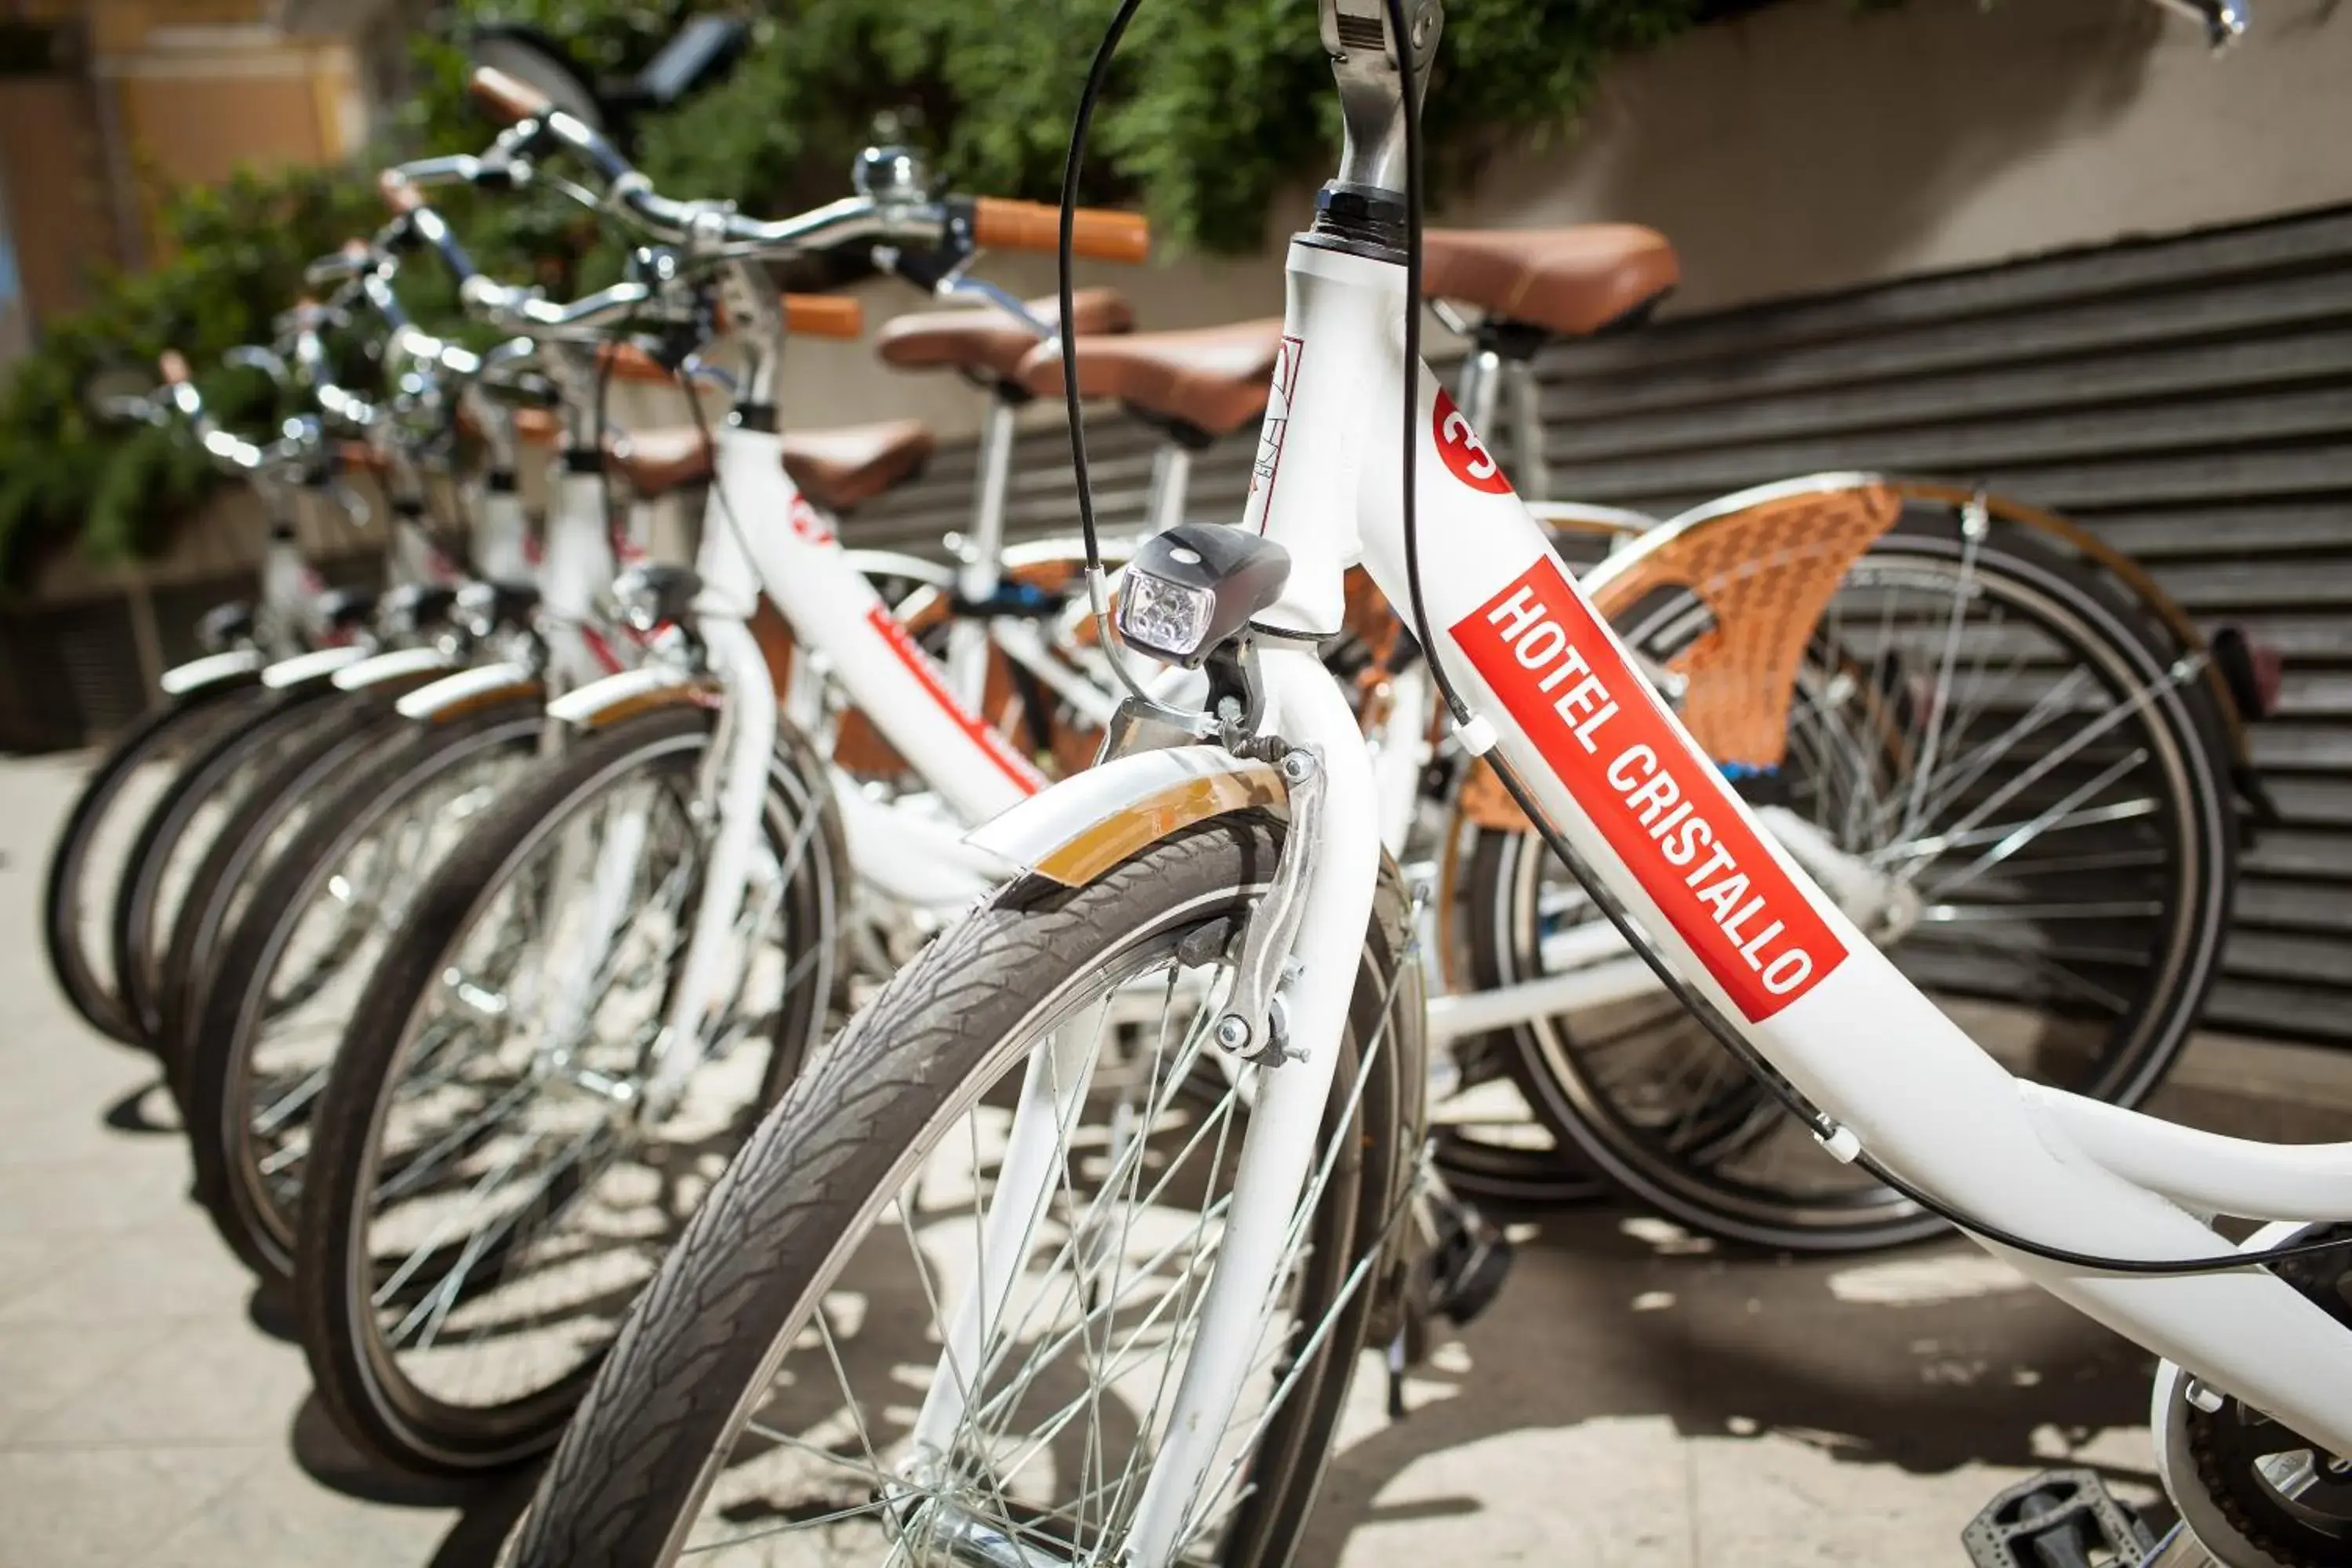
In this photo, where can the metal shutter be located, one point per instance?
(2189, 399)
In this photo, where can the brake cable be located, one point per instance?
(1066, 305)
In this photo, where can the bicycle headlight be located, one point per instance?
(1170, 619)
(649, 596)
(1196, 585)
(477, 608)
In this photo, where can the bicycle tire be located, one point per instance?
(728, 1301)
(175, 835)
(178, 731)
(343, 734)
(246, 1206)
(379, 1408)
(1558, 1074)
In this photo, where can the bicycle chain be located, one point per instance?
(2223, 1474)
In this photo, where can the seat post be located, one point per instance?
(1481, 384)
(1534, 471)
(980, 558)
(1171, 479)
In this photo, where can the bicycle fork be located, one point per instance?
(1278, 1148)
(730, 799)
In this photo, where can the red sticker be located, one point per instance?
(1463, 453)
(1010, 763)
(808, 523)
(1664, 809)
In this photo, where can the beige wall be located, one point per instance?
(52, 176)
(1811, 147)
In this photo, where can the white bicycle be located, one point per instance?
(622, 960)
(1062, 1253)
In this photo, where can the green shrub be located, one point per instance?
(1216, 105)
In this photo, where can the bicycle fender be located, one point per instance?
(1075, 831)
(402, 664)
(469, 691)
(239, 665)
(629, 693)
(308, 668)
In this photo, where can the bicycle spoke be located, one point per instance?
(2034, 827)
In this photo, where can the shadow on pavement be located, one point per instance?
(474, 1541)
(328, 1459)
(146, 1110)
(1870, 1360)
(488, 1506)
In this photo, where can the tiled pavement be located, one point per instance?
(1634, 1399)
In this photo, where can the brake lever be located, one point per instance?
(694, 367)
(957, 283)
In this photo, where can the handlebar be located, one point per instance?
(508, 95)
(895, 218)
(405, 199)
(355, 258)
(1000, 224)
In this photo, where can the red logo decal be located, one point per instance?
(809, 524)
(1010, 763)
(1662, 806)
(1465, 453)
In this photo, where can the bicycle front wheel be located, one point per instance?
(762, 1401)
(94, 853)
(499, 1159)
(291, 969)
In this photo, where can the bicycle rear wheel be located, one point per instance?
(762, 1401)
(2020, 754)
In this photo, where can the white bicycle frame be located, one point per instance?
(760, 534)
(1727, 907)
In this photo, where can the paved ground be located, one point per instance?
(1635, 1398)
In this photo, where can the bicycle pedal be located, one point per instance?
(2058, 1519)
(1471, 1260)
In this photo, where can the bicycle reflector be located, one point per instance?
(1191, 589)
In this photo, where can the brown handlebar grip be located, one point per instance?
(175, 367)
(824, 316)
(398, 194)
(1098, 232)
(506, 95)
